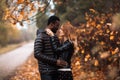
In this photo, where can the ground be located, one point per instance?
(28, 71)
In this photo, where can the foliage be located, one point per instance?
(71, 10)
(10, 34)
(28, 71)
(3, 39)
(98, 45)
(42, 21)
(74, 10)
(3, 6)
(19, 11)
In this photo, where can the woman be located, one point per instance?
(64, 51)
(65, 73)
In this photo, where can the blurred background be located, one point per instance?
(93, 26)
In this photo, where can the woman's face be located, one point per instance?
(61, 33)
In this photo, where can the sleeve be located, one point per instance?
(61, 48)
(38, 48)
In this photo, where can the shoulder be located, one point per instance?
(40, 33)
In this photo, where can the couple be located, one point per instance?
(54, 57)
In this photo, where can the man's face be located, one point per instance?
(55, 26)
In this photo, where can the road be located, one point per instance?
(11, 60)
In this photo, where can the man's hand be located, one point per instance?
(61, 63)
(49, 32)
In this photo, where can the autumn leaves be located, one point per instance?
(23, 10)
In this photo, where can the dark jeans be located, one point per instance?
(49, 76)
(65, 75)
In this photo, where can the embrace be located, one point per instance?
(53, 55)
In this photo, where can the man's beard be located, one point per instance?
(54, 30)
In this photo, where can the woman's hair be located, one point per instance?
(69, 32)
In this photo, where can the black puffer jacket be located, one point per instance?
(44, 51)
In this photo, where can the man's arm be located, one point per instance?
(38, 47)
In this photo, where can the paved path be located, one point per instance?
(11, 60)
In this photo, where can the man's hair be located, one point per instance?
(52, 19)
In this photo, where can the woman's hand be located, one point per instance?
(61, 63)
(49, 32)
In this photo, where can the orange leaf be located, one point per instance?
(22, 12)
(20, 17)
(20, 1)
(112, 37)
(96, 63)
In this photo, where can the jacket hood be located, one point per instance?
(40, 31)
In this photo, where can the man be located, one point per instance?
(45, 47)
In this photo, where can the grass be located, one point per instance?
(9, 48)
